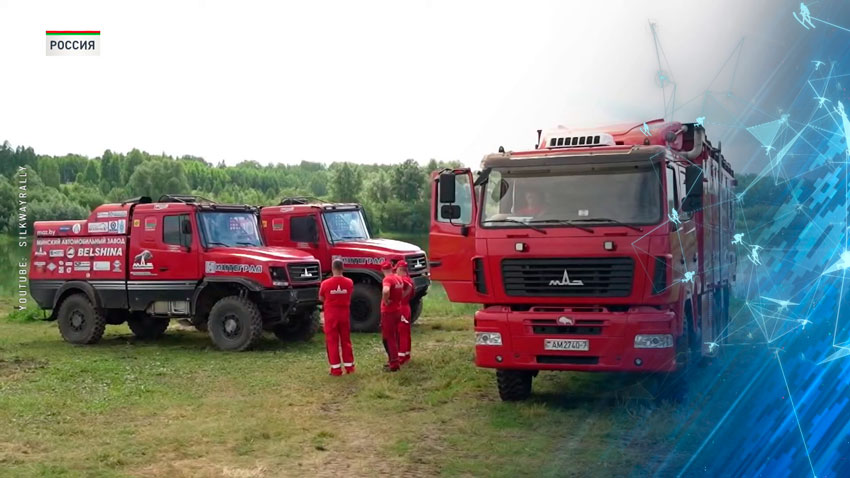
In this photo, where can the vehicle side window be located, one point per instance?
(672, 190)
(303, 229)
(172, 231)
(463, 195)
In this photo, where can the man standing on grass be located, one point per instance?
(391, 293)
(404, 323)
(335, 294)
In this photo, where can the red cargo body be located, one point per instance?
(331, 231)
(145, 262)
(626, 266)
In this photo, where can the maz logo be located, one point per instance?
(566, 280)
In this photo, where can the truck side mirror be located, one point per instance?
(450, 211)
(693, 188)
(447, 189)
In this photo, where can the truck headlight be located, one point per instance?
(488, 338)
(279, 277)
(653, 341)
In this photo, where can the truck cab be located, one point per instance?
(338, 230)
(144, 262)
(601, 250)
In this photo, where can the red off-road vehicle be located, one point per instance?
(144, 262)
(334, 230)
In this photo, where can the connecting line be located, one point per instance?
(796, 417)
(719, 423)
(830, 24)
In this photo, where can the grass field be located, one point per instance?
(180, 408)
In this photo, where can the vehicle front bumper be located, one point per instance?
(611, 337)
(301, 296)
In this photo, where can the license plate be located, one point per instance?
(566, 344)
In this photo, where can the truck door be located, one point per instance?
(305, 235)
(452, 233)
(164, 256)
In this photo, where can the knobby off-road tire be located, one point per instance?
(300, 328)
(415, 310)
(514, 385)
(235, 324)
(365, 308)
(80, 322)
(145, 327)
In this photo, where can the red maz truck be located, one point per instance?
(600, 250)
(334, 230)
(144, 262)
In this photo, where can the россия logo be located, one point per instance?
(73, 43)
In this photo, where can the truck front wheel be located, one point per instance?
(80, 322)
(415, 309)
(300, 328)
(366, 308)
(514, 385)
(146, 327)
(235, 324)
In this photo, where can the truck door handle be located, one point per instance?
(435, 263)
(163, 269)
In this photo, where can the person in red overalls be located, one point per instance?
(335, 293)
(404, 323)
(391, 293)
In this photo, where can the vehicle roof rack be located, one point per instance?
(185, 199)
(137, 200)
(296, 200)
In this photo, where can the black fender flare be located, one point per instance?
(248, 284)
(83, 286)
(367, 272)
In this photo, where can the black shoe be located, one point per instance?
(387, 368)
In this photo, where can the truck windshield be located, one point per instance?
(557, 197)
(229, 229)
(346, 225)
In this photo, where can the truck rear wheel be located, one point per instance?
(514, 385)
(365, 308)
(300, 328)
(415, 309)
(80, 322)
(146, 327)
(235, 324)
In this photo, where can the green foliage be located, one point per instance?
(346, 182)
(157, 177)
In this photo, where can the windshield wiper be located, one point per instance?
(538, 229)
(243, 243)
(613, 221)
(566, 222)
(214, 243)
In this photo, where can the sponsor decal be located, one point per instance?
(142, 260)
(116, 266)
(96, 227)
(40, 252)
(105, 214)
(45, 232)
(39, 264)
(100, 265)
(70, 253)
(65, 241)
(212, 267)
(277, 224)
(82, 266)
(64, 228)
(57, 253)
(150, 223)
(52, 267)
(76, 228)
(362, 260)
(100, 251)
(136, 223)
(117, 226)
(287, 209)
(72, 43)
(160, 206)
(565, 320)
(339, 291)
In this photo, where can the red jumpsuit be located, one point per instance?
(405, 323)
(335, 293)
(390, 316)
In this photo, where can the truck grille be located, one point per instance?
(304, 272)
(416, 264)
(568, 277)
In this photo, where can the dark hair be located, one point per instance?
(337, 265)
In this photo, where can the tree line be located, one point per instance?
(396, 197)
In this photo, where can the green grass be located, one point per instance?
(178, 407)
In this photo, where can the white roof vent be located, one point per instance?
(567, 140)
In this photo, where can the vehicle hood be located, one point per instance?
(263, 254)
(379, 247)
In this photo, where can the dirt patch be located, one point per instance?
(10, 368)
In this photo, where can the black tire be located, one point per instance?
(514, 385)
(365, 308)
(415, 309)
(235, 324)
(80, 322)
(674, 386)
(145, 327)
(300, 328)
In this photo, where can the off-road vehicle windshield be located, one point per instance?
(229, 229)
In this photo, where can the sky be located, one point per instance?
(365, 81)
